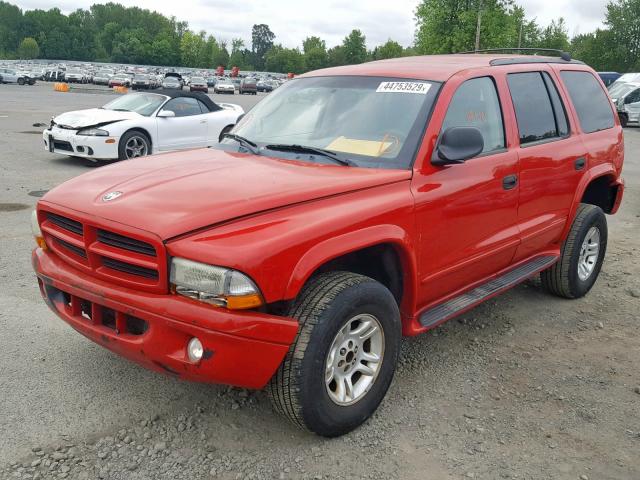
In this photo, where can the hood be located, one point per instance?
(176, 193)
(92, 117)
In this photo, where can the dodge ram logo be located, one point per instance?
(107, 197)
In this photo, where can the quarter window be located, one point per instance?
(539, 111)
(476, 104)
(592, 104)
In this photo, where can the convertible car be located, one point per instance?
(139, 124)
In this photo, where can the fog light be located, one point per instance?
(195, 350)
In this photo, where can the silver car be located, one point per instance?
(626, 98)
(12, 76)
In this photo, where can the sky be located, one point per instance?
(332, 20)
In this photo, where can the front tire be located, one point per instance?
(581, 255)
(133, 144)
(21, 81)
(340, 366)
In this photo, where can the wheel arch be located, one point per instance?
(601, 187)
(141, 130)
(354, 252)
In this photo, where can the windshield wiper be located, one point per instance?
(246, 143)
(307, 149)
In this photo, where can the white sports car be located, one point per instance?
(139, 124)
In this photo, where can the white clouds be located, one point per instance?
(332, 20)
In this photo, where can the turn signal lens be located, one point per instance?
(244, 302)
(35, 230)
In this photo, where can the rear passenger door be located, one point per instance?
(552, 160)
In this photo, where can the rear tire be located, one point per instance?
(346, 322)
(580, 259)
(624, 120)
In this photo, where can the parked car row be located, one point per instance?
(624, 91)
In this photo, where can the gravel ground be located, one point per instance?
(526, 386)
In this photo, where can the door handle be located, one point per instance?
(580, 163)
(509, 182)
(203, 121)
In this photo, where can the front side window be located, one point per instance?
(372, 121)
(183, 107)
(633, 97)
(476, 104)
(592, 104)
(538, 119)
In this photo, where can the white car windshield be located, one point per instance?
(370, 121)
(142, 103)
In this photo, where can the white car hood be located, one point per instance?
(92, 117)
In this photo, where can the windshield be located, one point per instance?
(170, 80)
(141, 77)
(372, 121)
(621, 90)
(197, 80)
(142, 103)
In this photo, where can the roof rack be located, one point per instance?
(560, 53)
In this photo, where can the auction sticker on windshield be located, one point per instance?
(404, 87)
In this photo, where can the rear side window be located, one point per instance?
(476, 104)
(538, 107)
(590, 101)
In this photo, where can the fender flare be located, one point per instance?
(352, 241)
(598, 171)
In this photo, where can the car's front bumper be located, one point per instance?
(242, 348)
(67, 142)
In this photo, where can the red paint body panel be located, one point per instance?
(453, 228)
(247, 347)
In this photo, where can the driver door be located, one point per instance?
(467, 213)
(187, 129)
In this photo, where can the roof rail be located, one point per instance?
(560, 53)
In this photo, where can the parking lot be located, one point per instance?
(526, 386)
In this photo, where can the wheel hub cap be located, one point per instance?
(136, 147)
(354, 359)
(589, 253)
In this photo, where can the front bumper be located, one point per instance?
(241, 348)
(66, 142)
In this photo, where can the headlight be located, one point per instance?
(215, 285)
(93, 132)
(35, 230)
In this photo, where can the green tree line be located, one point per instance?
(114, 33)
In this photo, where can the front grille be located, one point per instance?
(66, 223)
(129, 268)
(139, 262)
(126, 243)
(62, 145)
(77, 250)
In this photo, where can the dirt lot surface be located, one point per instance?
(527, 386)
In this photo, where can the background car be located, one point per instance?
(248, 85)
(141, 123)
(211, 81)
(171, 83)
(198, 84)
(224, 85)
(609, 77)
(119, 81)
(12, 76)
(141, 81)
(264, 86)
(102, 77)
(75, 76)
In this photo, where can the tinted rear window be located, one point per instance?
(535, 113)
(590, 101)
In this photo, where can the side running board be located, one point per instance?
(465, 300)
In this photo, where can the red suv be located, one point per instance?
(351, 207)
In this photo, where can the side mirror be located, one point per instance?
(166, 114)
(458, 144)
